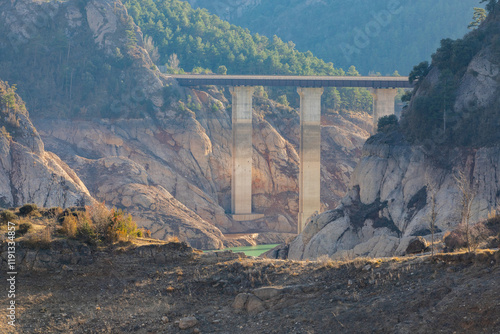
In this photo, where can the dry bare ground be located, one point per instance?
(121, 292)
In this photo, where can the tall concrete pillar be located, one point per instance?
(383, 103)
(241, 180)
(310, 154)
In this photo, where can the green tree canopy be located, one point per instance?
(478, 17)
(200, 41)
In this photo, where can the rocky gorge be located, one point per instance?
(137, 141)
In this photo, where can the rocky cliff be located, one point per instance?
(391, 191)
(140, 142)
(28, 173)
(389, 202)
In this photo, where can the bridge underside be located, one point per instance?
(293, 81)
(310, 89)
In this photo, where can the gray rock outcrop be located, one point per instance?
(28, 173)
(389, 203)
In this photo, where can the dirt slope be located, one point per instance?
(149, 289)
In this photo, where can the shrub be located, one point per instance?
(472, 238)
(98, 224)
(80, 227)
(28, 209)
(100, 217)
(282, 99)
(387, 123)
(5, 133)
(222, 70)
(53, 212)
(493, 242)
(121, 228)
(70, 226)
(24, 228)
(7, 216)
(146, 233)
(454, 240)
(215, 107)
(493, 223)
(86, 231)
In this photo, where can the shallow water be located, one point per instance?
(252, 250)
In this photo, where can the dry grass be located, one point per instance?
(172, 239)
(326, 262)
(40, 239)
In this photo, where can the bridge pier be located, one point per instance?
(310, 130)
(310, 154)
(383, 103)
(242, 149)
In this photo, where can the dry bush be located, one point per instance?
(145, 232)
(70, 226)
(41, 239)
(172, 239)
(479, 234)
(346, 256)
(454, 240)
(7, 216)
(79, 226)
(470, 237)
(47, 234)
(53, 212)
(493, 224)
(98, 224)
(24, 228)
(100, 217)
(325, 261)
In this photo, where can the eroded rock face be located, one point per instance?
(480, 83)
(41, 178)
(389, 202)
(28, 173)
(190, 159)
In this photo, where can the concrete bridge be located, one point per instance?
(310, 89)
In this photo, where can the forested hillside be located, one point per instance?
(193, 40)
(455, 102)
(374, 35)
(76, 82)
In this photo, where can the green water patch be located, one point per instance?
(250, 250)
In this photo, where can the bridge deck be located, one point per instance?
(295, 81)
